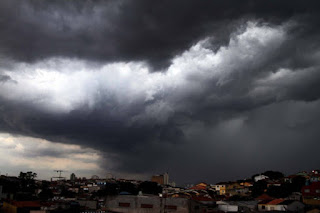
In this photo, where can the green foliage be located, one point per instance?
(279, 191)
(258, 188)
(273, 175)
(128, 187)
(27, 175)
(149, 187)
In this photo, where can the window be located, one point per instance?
(147, 206)
(263, 207)
(171, 207)
(124, 204)
(307, 190)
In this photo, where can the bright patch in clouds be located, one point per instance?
(61, 85)
(42, 156)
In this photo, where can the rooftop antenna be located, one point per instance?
(58, 172)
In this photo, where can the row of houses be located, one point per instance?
(121, 195)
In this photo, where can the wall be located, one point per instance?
(146, 204)
(228, 208)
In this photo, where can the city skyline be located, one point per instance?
(203, 90)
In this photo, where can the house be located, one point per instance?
(237, 206)
(289, 178)
(280, 205)
(311, 194)
(294, 196)
(246, 183)
(264, 197)
(260, 177)
(200, 186)
(220, 188)
(236, 189)
(314, 178)
(271, 183)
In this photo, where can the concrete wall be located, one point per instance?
(228, 208)
(91, 204)
(146, 204)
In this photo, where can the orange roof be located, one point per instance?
(275, 201)
(264, 197)
(199, 186)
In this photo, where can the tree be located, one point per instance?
(259, 188)
(149, 187)
(279, 191)
(128, 187)
(27, 182)
(297, 183)
(46, 193)
(273, 175)
(27, 175)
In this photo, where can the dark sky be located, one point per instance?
(206, 90)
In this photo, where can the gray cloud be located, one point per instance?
(6, 78)
(125, 30)
(156, 88)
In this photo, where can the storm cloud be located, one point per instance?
(220, 88)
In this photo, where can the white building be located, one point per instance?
(237, 206)
(260, 177)
(281, 205)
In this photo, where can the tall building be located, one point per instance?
(73, 177)
(166, 178)
(161, 179)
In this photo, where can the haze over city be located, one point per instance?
(204, 90)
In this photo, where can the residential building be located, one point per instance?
(237, 206)
(311, 194)
(200, 186)
(220, 188)
(161, 179)
(280, 205)
(234, 188)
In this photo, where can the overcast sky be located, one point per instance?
(206, 90)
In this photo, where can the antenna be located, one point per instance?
(59, 172)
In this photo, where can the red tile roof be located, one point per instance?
(200, 186)
(264, 197)
(272, 202)
(275, 202)
(22, 204)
